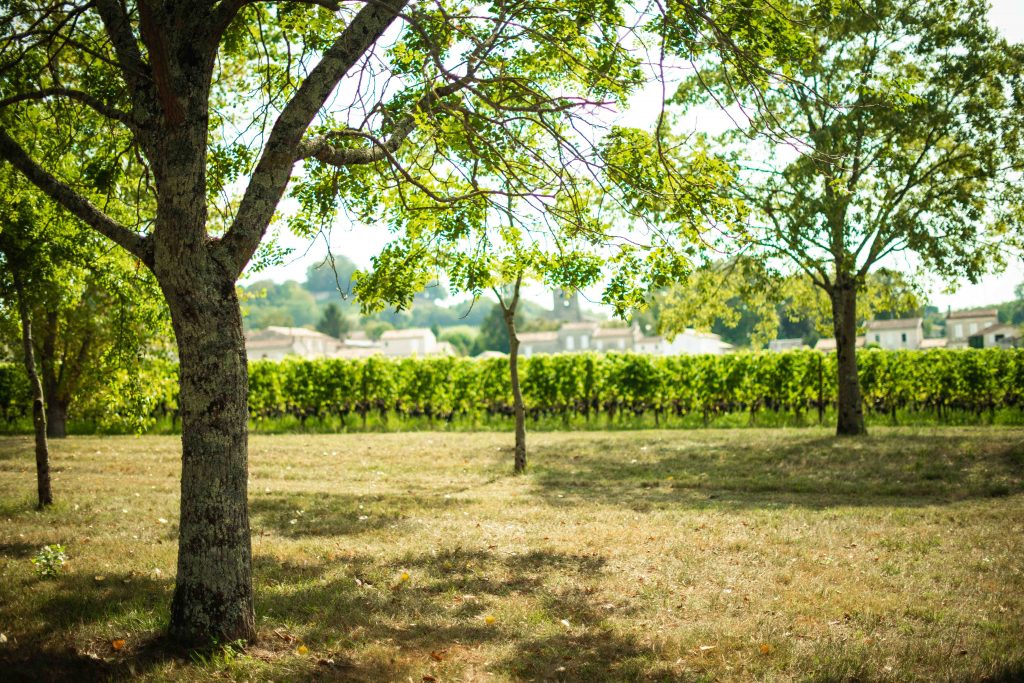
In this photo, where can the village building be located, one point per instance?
(828, 344)
(778, 345)
(901, 333)
(531, 343)
(591, 336)
(999, 335)
(961, 325)
(277, 343)
(414, 341)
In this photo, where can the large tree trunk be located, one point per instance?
(56, 418)
(45, 493)
(213, 591)
(518, 407)
(56, 406)
(844, 321)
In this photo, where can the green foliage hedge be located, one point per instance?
(582, 385)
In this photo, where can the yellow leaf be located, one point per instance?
(302, 650)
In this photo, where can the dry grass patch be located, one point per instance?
(657, 555)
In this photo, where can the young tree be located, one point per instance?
(742, 290)
(904, 114)
(486, 257)
(493, 331)
(23, 263)
(333, 275)
(431, 92)
(333, 323)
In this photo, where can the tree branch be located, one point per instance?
(227, 10)
(273, 171)
(118, 26)
(321, 149)
(85, 98)
(79, 206)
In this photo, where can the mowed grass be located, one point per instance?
(714, 555)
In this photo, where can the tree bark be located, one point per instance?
(213, 592)
(844, 321)
(56, 418)
(44, 491)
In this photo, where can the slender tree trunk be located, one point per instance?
(45, 493)
(844, 316)
(518, 406)
(213, 591)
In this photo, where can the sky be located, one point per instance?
(361, 242)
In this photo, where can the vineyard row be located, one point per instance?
(574, 385)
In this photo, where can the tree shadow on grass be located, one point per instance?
(443, 609)
(43, 654)
(903, 470)
(317, 514)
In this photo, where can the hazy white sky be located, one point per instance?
(361, 242)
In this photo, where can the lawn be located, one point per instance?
(727, 555)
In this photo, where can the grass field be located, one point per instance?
(725, 555)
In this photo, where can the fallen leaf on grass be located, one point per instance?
(427, 678)
(117, 644)
(765, 648)
(489, 619)
(284, 635)
(302, 650)
(437, 655)
(707, 648)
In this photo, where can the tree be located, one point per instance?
(432, 92)
(906, 116)
(1012, 312)
(285, 304)
(334, 274)
(742, 295)
(23, 263)
(493, 331)
(333, 323)
(461, 340)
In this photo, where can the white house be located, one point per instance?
(276, 343)
(995, 336)
(902, 333)
(616, 338)
(828, 344)
(532, 343)
(415, 341)
(590, 336)
(778, 345)
(577, 336)
(693, 342)
(960, 325)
